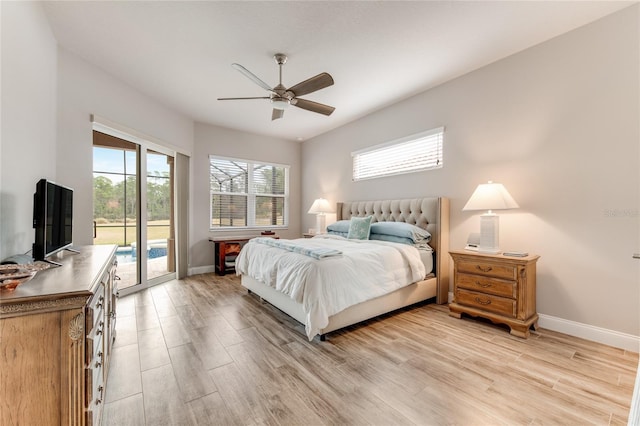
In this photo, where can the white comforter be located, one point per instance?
(365, 270)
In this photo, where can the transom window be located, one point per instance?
(422, 151)
(248, 194)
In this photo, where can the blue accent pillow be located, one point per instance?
(359, 228)
(342, 234)
(391, 238)
(401, 229)
(341, 226)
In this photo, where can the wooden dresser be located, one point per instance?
(499, 288)
(56, 335)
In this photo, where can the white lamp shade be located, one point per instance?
(490, 196)
(320, 206)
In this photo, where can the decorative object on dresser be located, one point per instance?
(320, 208)
(490, 196)
(57, 334)
(499, 288)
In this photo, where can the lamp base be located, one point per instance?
(489, 224)
(320, 223)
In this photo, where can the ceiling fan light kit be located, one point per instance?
(281, 97)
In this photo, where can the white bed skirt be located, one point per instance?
(413, 293)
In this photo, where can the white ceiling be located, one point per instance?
(180, 53)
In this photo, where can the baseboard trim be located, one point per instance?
(202, 270)
(589, 332)
(605, 336)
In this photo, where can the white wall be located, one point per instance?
(83, 90)
(215, 140)
(558, 125)
(28, 123)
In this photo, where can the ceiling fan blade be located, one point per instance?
(318, 82)
(251, 76)
(313, 106)
(276, 114)
(236, 99)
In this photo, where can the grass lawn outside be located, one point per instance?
(113, 233)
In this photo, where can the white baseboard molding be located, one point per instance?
(589, 332)
(202, 270)
(585, 331)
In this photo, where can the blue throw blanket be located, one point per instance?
(316, 253)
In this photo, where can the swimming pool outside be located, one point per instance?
(128, 254)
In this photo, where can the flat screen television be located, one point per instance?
(52, 219)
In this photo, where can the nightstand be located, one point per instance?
(497, 287)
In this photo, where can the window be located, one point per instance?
(247, 194)
(422, 151)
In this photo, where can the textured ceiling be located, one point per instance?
(180, 53)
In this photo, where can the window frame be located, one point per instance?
(398, 143)
(251, 195)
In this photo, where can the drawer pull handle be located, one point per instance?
(483, 302)
(483, 285)
(484, 269)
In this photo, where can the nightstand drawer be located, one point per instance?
(489, 269)
(488, 285)
(486, 302)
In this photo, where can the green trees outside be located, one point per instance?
(113, 202)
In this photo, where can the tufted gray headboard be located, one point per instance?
(431, 213)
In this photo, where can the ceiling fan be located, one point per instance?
(281, 97)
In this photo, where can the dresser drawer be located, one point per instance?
(95, 309)
(94, 341)
(508, 272)
(95, 395)
(94, 385)
(486, 302)
(488, 285)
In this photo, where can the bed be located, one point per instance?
(430, 214)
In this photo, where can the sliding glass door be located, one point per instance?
(145, 237)
(160, 223)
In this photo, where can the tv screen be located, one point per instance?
(52, 218)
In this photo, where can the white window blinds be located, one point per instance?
(248, 194)
(422, 151)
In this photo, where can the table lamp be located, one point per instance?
(490, 196)
(320, 207)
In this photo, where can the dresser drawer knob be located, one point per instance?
(484, 269)
(483, 302)
(483, 285)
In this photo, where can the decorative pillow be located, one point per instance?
(401, 229)
(342, 234)
(339, 226)
(391, 238)
(359, 228)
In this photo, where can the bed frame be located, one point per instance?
(431, 214)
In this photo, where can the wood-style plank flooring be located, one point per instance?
(203, 351)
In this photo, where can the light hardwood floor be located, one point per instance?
(204, 352)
